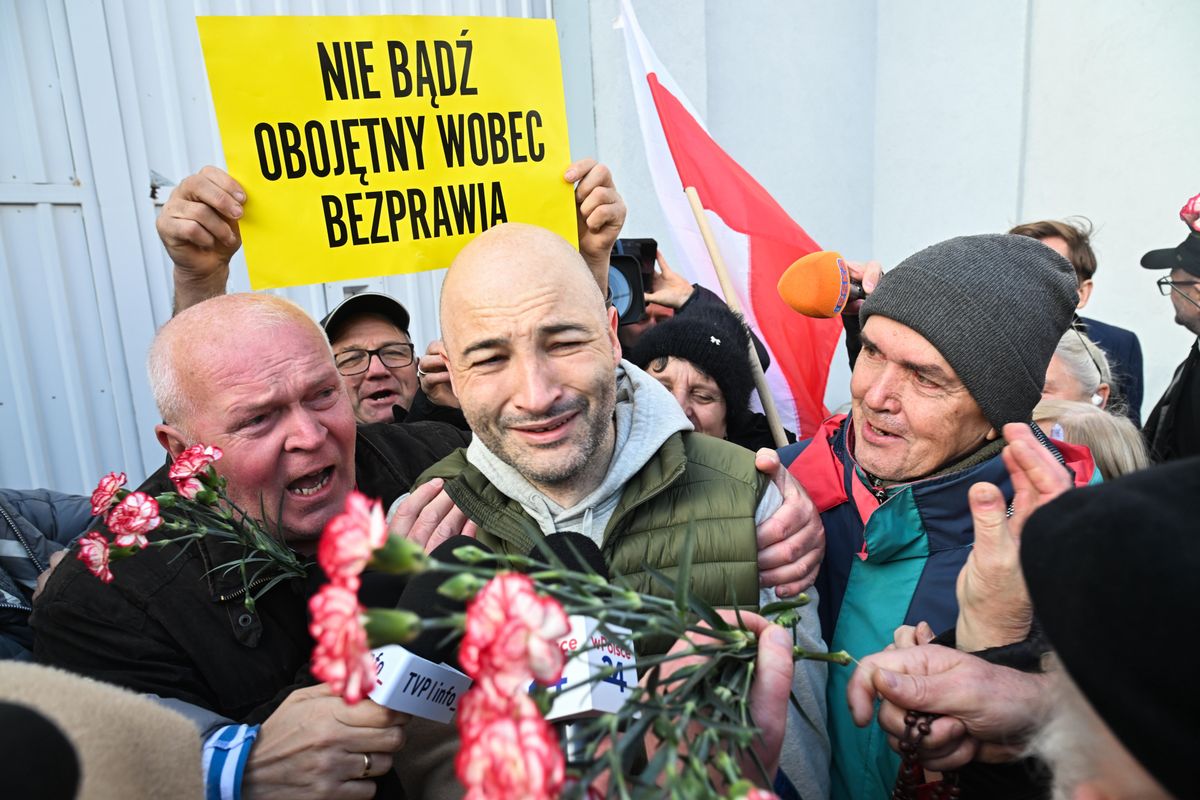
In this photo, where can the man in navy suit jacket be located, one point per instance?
(1072, 240)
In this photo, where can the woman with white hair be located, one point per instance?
(1080, 371)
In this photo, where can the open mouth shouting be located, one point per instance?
(310, 485)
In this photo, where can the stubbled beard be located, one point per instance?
(596, 418)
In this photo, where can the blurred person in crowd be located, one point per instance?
(1071, 239)
(955, 344)
(1079, 370)
(1109, 726)
(1173, 428)
(1115, 443)
(36, 527)
(702, 360)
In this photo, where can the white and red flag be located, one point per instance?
(757, 238)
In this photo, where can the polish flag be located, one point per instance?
(757, 238)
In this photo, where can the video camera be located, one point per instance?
(630, 271)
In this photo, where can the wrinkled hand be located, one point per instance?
(199, 227)
(868, 275)
(434, 376)
(667, 288)
(45, 574)
(912, 636)
(429, 517)
(989, 712)
(313, 746)
(768, 691)
(994, 605)
(600, 214)
(791, 542)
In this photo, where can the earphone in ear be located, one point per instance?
(1097, 399)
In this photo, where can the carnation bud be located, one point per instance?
(206, 497)
(462, 586)
(788, 619)
(469, 554)
(724, 694)
(399, 556)
(167, 499)
(390, 626)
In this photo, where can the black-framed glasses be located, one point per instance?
(353, 362)
(1165, 285)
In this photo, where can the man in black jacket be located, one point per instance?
(253, 375)
(1173, 427)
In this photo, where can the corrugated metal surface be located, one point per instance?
(96, 98)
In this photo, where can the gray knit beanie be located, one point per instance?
(994, 306)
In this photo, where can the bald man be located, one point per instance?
(255, 376)
(570, 437)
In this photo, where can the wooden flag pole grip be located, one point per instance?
(727, 289)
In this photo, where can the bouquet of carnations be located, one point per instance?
(684, 731)
(693, 715)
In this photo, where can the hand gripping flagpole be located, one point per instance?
(714, 252)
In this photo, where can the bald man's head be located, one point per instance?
(516, 256)
(203, 336)
(254, 375)
(532, 354)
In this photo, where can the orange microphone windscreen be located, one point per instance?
(816, 285)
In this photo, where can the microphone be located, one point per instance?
(422, 678)
(608, 651)
(819, 285)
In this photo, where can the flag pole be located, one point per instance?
(760, 380)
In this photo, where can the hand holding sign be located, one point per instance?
(199, 227)
(599, 212)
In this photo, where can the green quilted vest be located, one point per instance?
(693, 480)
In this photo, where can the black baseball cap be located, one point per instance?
(1185, 257)
(384, 305)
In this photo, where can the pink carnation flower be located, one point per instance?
(349, 539)
(192, 463)
(510, 756)
(1190, 213)
(106, 492)
(512, 635)
(341, 658)
(132, 518)
(93, 552)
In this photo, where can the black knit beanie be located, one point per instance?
(994, 306)
(715, 341)
(1111, 570)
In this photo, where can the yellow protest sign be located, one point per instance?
(381, 145)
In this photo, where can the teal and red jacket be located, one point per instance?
(892, 557)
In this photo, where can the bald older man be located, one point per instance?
(253, 375)
(570, 437)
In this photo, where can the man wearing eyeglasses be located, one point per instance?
(1173, 428)
(374, 354)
